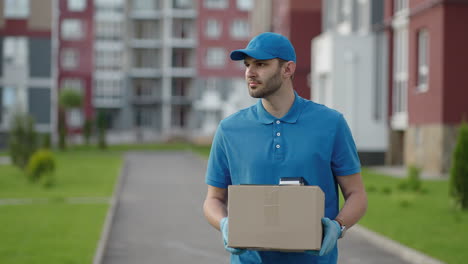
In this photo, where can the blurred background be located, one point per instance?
(155, 75)
(158, 70)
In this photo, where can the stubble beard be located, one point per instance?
(270, 86)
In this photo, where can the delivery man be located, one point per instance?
(283, 135)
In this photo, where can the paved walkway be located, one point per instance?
(159, 218)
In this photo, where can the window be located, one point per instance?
(72, 29)
(16, 8)
(216, 4)
(108, 90)
(144, 88)
(179, 116)
(400, 80)
(109, 59)
(182, 28)
(423, 60)
(109, 30)
(70, 58)
(8, 101)
(240, 29)
(183, 4)
(215, 57)
(400, 5)
(72, 84)
(145, 58)
(245, 5)
(144, 116)
(76, 5)
(145, 5)
(180, 87)
(213, 28)
(145, 29)
(75, 118)
(15, 51)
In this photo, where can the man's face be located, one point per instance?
(263, 77)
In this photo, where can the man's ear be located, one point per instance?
(289, 69)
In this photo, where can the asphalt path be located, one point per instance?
(158, 217)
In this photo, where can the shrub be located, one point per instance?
(414, 178)
(459, 168)
(41, 168)
(22, 139)
(412, 181)
(45, 141)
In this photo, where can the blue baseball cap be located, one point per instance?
(267, 46)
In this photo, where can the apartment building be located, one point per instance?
(349, 71)
(74, 35)
(26, 65)
(221, 90)
(427, 44)
(300, 21)
(110, 64)
(161, 46)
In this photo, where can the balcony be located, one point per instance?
(145, 73)
(182, 72)
(146, 14)
(146, 43)
(183, 42)
(146, 100)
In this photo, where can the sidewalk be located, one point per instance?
(158, 218)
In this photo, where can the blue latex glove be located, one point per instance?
(331, 233)
(224, 224)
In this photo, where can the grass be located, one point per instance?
(50, 233)
(58, 232)
(426, 221)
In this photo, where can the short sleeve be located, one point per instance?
(217, 173)
(345, 159)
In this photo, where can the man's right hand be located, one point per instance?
(224, 224)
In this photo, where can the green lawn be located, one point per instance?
(57, 232)
(425, 221)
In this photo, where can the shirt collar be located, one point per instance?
(291, 116)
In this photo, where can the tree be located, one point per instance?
(101, 126)
(459, 169)
(87, 130)
(22, 139)
(68, 99)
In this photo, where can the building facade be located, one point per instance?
(110, 64)
(222, 26)
(300, 21)
(26, 65)
(349, 69)
(161, 46)
(74, 33)
(427, 40)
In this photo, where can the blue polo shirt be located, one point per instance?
(311, 141)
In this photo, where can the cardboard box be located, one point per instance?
(282, 218)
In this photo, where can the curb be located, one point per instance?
(408, 254)
(102, 244)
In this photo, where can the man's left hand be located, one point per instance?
(331, 233)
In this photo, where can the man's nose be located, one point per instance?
(250, 72)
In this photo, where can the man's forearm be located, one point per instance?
(354, 208)
(214, 210)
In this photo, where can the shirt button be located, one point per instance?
(277, 122)
(278, 146)
(278, 134)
